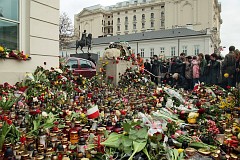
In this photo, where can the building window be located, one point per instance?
(152, 15)
(143, 25)
(162, 6)
(118, 20)
(143, 16)
(151, 52)
(126, 19)
(118, 28)
(162, 50)
(162, 23)
(134, 10)
(134, 18)
(134, 26)
(184, 49)
(196, 49)
(143, 9)
(135, 2)
(109, 22)
(126, 12)
(102, 29)
(109, 16)
(162, 15)
(152, 24)
(152, 8)
(118, 13)
(126, 27)
(109, 31)
(173, 51)
(142, 52)
(9, 24)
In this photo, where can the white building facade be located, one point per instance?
(30, 26)
(167, 43)
(137, 16)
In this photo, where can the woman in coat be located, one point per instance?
(196, 73)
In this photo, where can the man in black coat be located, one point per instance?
(155, 68)
(147, 65)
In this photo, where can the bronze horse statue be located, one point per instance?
(85, 41)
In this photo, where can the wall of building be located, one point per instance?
(194, 14)
(38, 38)
(91, 23)
(138, 11)
(204, 43)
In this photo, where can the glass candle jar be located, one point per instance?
(74, 137)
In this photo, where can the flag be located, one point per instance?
(93, 112)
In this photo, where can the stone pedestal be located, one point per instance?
(115, 70)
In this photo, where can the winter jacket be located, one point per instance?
(214, 72)
(155, 67)
(229, 64)
(196, 73)
(188, 71)
(202, 66)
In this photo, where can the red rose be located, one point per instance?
(228, 87)
(198, 104)
(9, 122)
(5, 118)
(123, 112)
(5, 84)
(22, 89)
(23, 139)
(117, 61)
(38, 111)
(201, 111)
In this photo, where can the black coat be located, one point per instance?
(214, 72)
(155, 67)
(147, 66)
(180, 82)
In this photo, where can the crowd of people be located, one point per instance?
(185, 71)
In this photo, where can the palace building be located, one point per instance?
(137, 16)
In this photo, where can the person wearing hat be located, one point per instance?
(179, 81)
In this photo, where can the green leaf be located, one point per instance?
(126, 141)
(132, 131)
(126, 127)
(113, 140)
(146, 152)
(142, 133)
(127, 150)
(133, 136)
(48, 125)
(137, 148)
(72, 147)
(175, 152)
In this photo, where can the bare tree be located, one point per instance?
(66, 31)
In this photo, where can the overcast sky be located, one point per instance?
(230, 29)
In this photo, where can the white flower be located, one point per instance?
(44, 114)
(35, 99)
(4, 99)
(59, 70)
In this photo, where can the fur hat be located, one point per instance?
(175, 75)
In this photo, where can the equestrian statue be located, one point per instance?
(86, 41)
